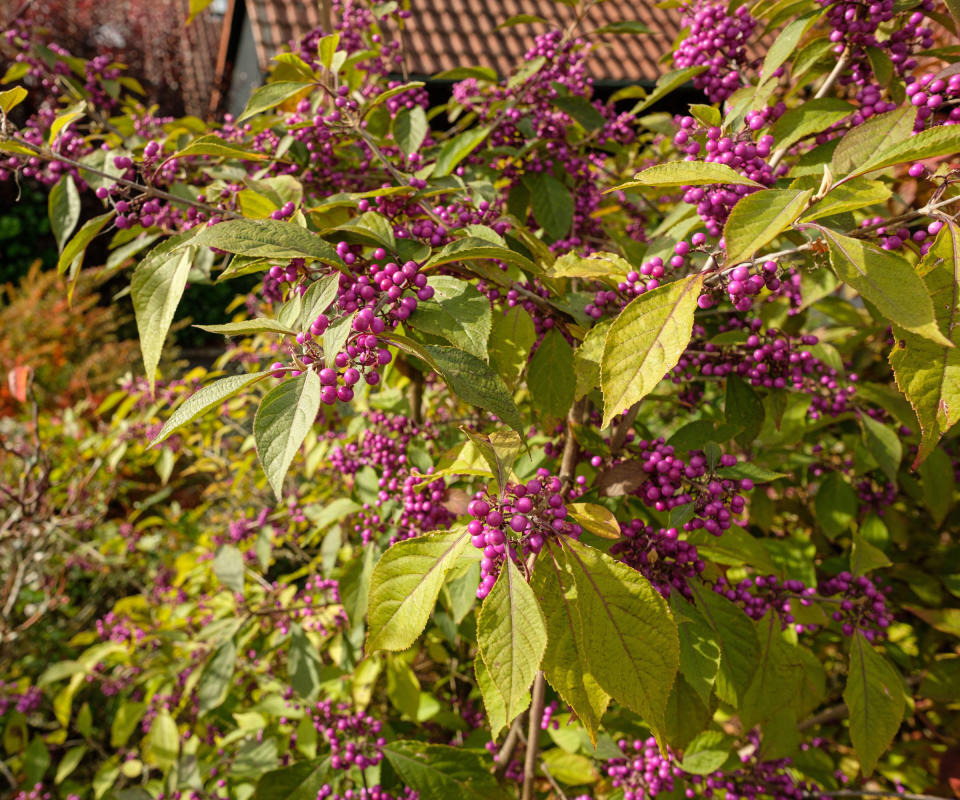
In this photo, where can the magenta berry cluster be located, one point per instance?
(660, 555)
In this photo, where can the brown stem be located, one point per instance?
(533, 736)
(623, 428)
(509, 745)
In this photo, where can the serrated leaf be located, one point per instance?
(63, 206)
(282, 422)
(835, 504)
(564, 661)
(759, 218)
(707, 753)
(736, 637)
(848, 196)
(410, 129)
(928, 374)
(687, 173)
(863, 141)
(666, 83)
(269, 96)
(438, 772)
(248, 327)
(874, 695)
(512, 637)
(458, 313)
(886, 280)
(212, 145)
(942, 140)
(300, 781)
(476, 248)
(645, 342)
(778, 676)
(492, 699)
(72, 254)
(811, 116)
(204, 399)
(699, 651)
(404, 587)
(607, 267)
(884, 444)
(217, 675)
(156, 288)
(630, 638)
(599, 520)
(550, 376)
(587, 358)
(268, 238)
(511, 339)
(454, 150)
(500, 450)
(552, 206)
(785, 45)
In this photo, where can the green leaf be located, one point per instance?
(884, 444)
(162, 744)
(201, 401)
(72, 253)
(228, 567)
(581, 109)
(520, 19)
(70, 761)
(744, 409)
(853, 194)
(499, 450)
(864, 557)
(629, 636)
(699, 651)
(475, 382)
(759, 218)
(217, 675)
(64, 208)
(571, 769)
(270, 96)
(587, 358)
(125, 722)
(249, 327)
(439, 772)
(458, 148)
(785, 45)
(928, 374)
(36, 760)
(564, 661)
(268, 238)
(630, 27)
(475, 248)
(392, 92)
(707, 753)
(552, 206)
(874, 695)
(599, 520)
(335, 338)
(939, 485)
(835, 504)
(493, 701)
(736, 637)
(11, 98)
(550, 376)
(512, 637)
(666, 83)
(863, 141)
(64, 119)
(811, 116)
(645, 342)
(156, 288)
(942, 140)
(301, 781)
(608, 267)
(886, 280)
(458, 313)
(410, 128)
(687, 173)
(303, 664)
(282, 422)
(511, 340)
(212, 145)
(778, 676)
(405, 584)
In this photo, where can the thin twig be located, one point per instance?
(533, 736)
(509, 745)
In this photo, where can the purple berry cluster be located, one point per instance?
(765, 593)
(518, 523)
(670, 481)
(862, 605)
(644, 772)
(660, 555)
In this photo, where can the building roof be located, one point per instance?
(443, 34)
